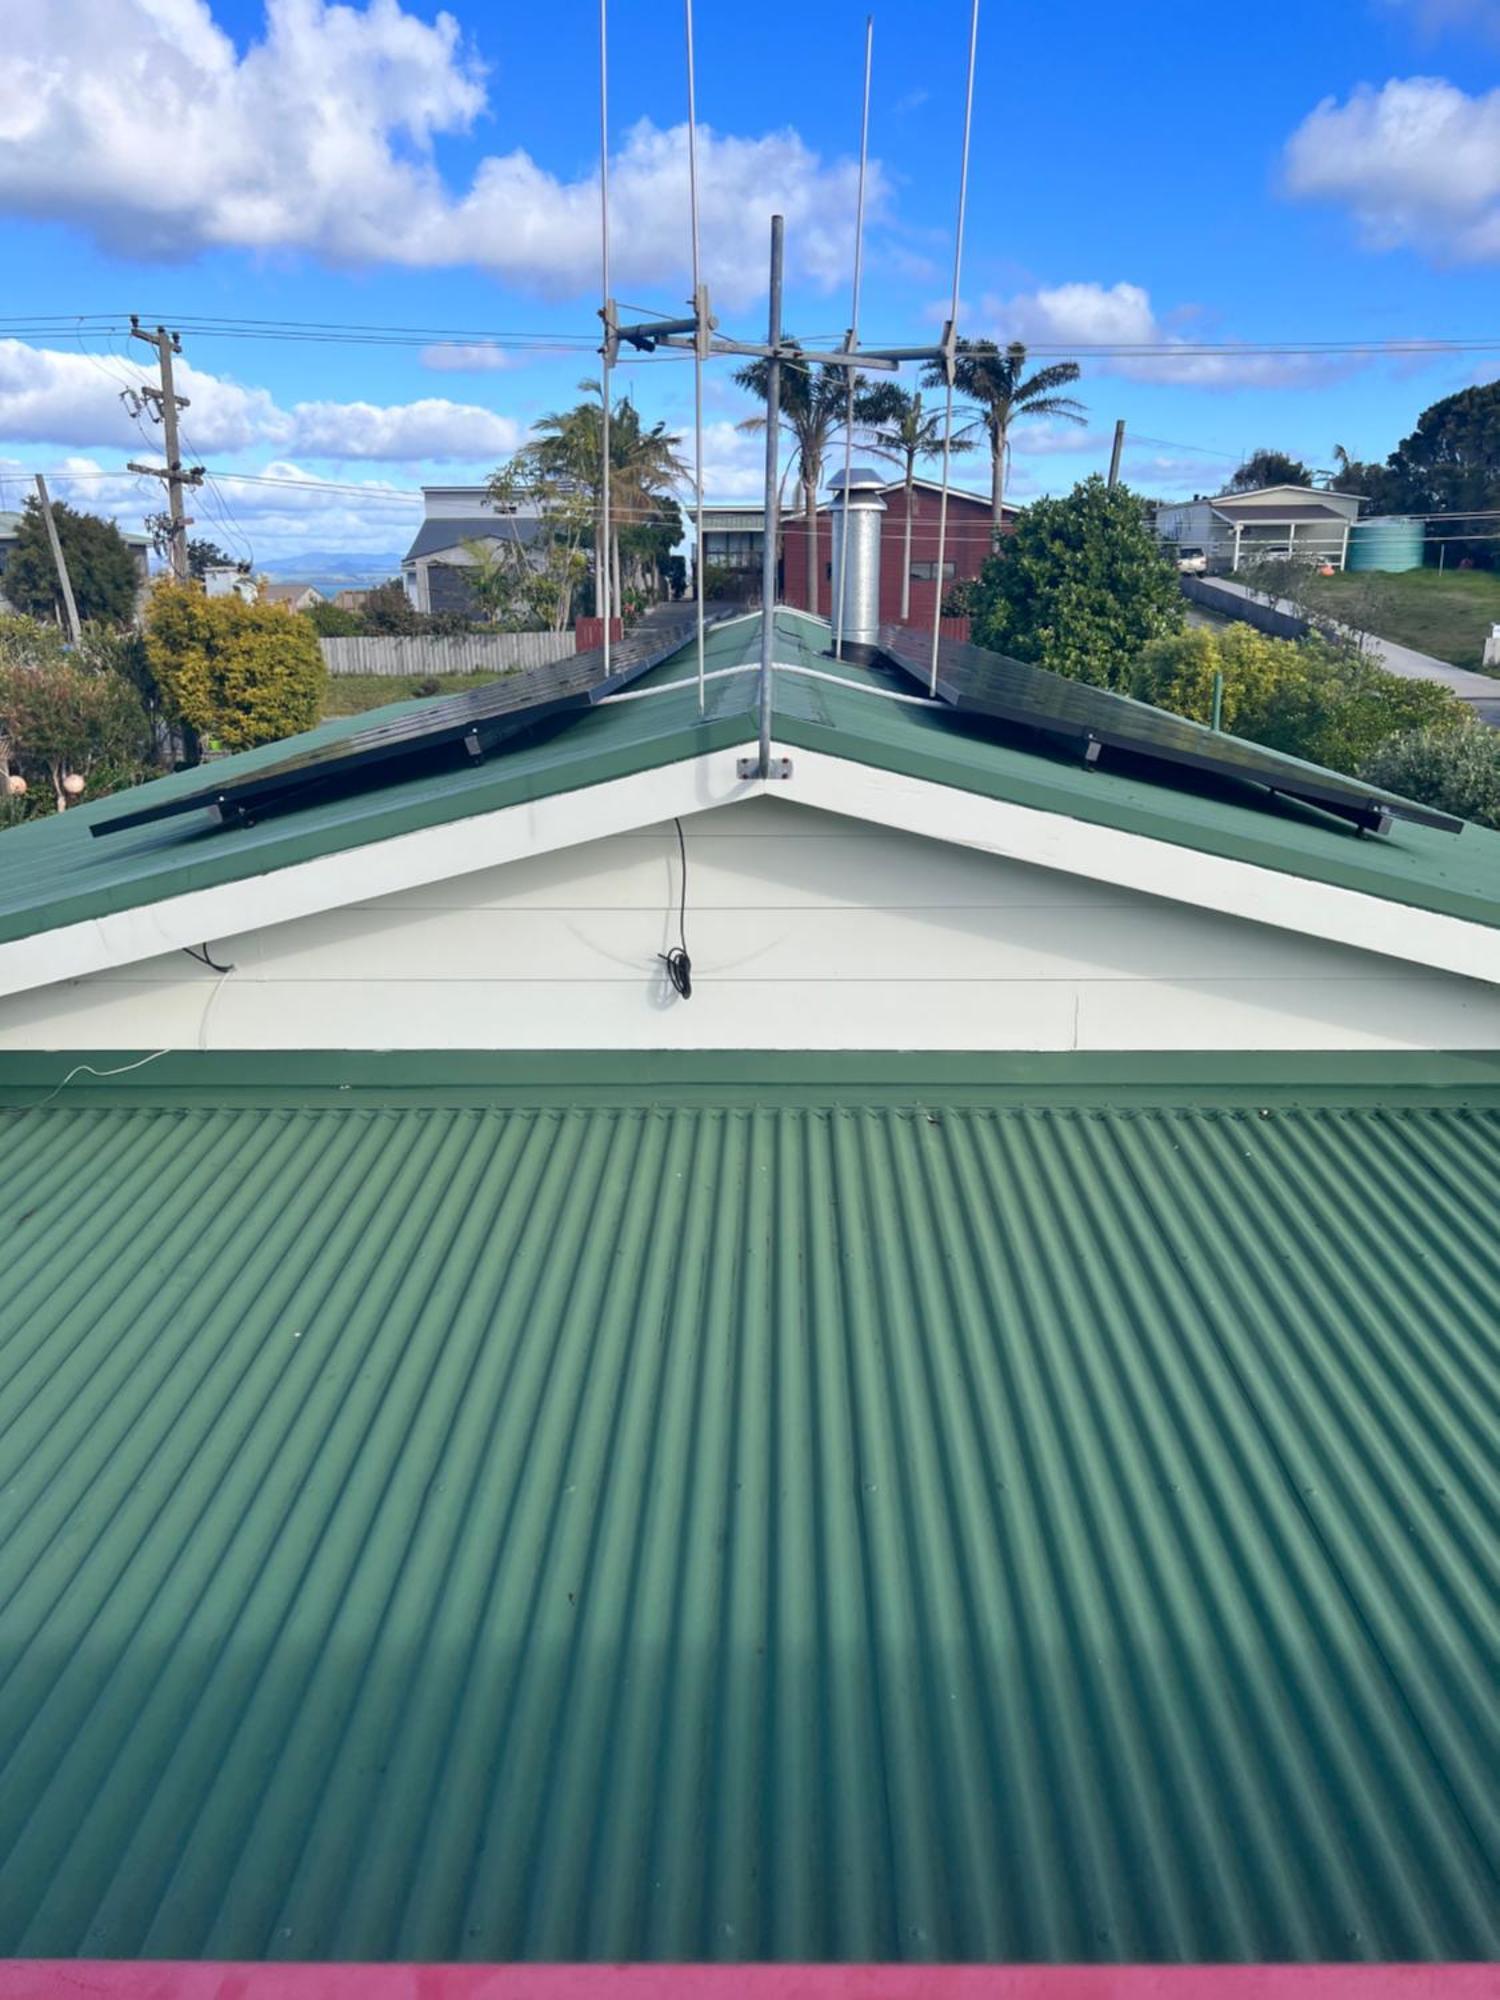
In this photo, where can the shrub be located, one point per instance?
(1324, 703)
(60, 719)
(1453, 769)
(332, 621)
(1080, 586)
(241, 673)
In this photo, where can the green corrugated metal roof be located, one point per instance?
(635, 1525)
(53, 872)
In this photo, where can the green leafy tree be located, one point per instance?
(901, 430)
(1270, 468)
(236, 673)
(814, 405)
(102, 567)
(1328, 704)
(388, 609)
(204, 555)
(533, 577)
(332, 621)
(999, 393)
(65, 716)
(564, 464)
(1453, 768)
(1080, 586)
(1450, 464)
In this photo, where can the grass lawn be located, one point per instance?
(1446, 613)
(352, 694)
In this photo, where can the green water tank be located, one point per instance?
(1388, 541)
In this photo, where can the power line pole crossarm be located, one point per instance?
(166, 403)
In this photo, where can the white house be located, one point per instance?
(1231, 529)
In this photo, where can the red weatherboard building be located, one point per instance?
(967, 545)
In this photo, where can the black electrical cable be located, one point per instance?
(679, 965)
(201, 954)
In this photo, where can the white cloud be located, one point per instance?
(734, 462)
(1051, 440)
(253, 521)
(55, 397)
(1435, 16)
(51, 396)
(1085, 315)
(454, 357)
(320, 137)
(1417, 163)
(429, 428)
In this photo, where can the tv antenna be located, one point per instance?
(699, 333)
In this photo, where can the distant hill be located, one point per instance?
(329, 570)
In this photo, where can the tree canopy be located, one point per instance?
(1270, 468)
(236, 673)
(999, 392)
(102, 567)
(1079, 586)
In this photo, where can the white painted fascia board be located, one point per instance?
(383, 868)
(1136, 861)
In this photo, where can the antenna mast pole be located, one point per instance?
(950, 343)
(605, 551)
(773, 454)
(700, 335)
(853, 345)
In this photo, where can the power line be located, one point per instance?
(356, 333)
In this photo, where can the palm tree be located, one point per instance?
(644, 465)
(1000, 390)
(902, 430)
(814, 408)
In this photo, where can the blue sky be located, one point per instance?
(1274, 173)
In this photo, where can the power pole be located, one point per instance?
(1114, 457)
(165, 403)
(58, 557)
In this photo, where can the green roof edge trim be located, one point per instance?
(800, 1077)
(222, 865)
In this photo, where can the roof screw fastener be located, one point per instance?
(779, 767)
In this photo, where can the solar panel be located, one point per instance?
(456, 729)
(974, 681)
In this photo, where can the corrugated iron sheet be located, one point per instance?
(783, 1533)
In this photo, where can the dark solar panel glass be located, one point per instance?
(458, 726)
(978, 682)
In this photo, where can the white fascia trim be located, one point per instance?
(1135, 861)
(383, 868)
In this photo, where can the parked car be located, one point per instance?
(1192, 562)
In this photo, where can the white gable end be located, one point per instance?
(807, 929)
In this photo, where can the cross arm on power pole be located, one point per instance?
(165, 402)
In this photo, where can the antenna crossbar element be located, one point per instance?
(804, 357)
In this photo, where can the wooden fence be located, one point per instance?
(423, 658)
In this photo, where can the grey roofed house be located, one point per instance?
(1229, 528)
(432, 570)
